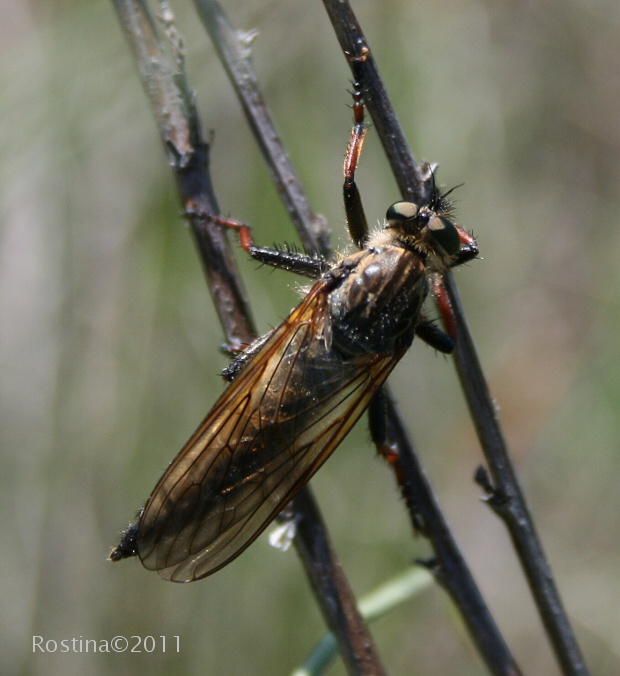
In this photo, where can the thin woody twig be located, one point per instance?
(506, 496)
(178, 123)
(508, 502)
(332, 590)
(448, 565)
(188, 154)
(233, 48)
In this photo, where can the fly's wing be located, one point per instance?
(269, 432)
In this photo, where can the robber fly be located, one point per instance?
(296, 392)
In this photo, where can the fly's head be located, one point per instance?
(430, 232)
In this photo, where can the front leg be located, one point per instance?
(312, 266)
(354, 210)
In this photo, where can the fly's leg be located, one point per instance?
(243, 357)
(444, 342)
(377, 425)
(303, 264)
(379, 433)
(432, 335)
(445, 307)
(312, 266)
(427, 331)
(469, 248)
(354, 211)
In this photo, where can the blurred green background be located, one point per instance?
(109, 346)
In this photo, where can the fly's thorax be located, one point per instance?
(376, 304)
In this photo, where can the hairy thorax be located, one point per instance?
(375, 306)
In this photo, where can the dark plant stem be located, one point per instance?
(233, 48)
(188, 155)
(506, 498)
(332, 590)
(448, 566)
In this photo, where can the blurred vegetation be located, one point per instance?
(109, 347)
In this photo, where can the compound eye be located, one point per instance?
(400, 212)
(445, 234)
